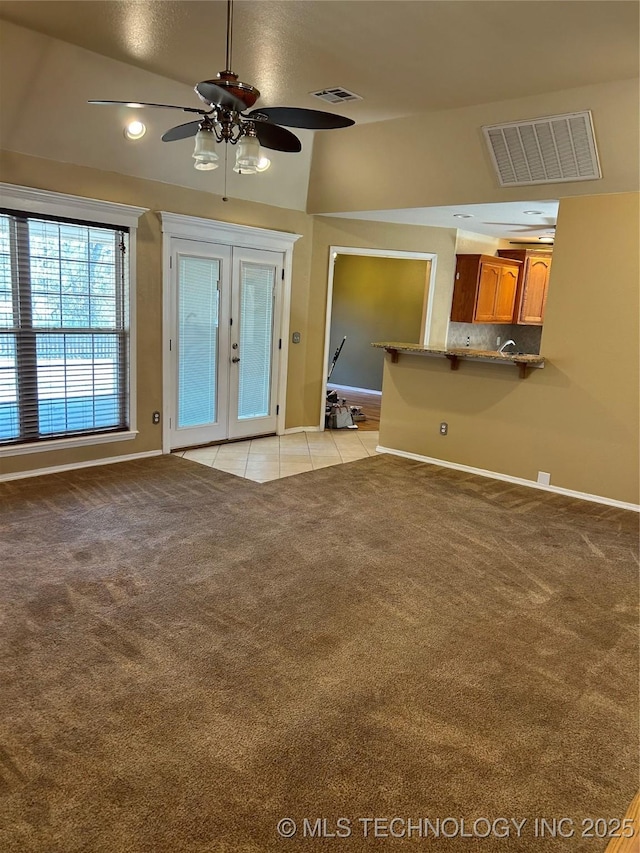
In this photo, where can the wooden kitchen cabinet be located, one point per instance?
(533, 284)
(485, 289)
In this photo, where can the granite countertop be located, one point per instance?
(462, 352)
(516, 357)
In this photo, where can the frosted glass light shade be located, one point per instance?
(247, 156)
(204, 152)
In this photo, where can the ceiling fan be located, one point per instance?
(547, 236)
(526, 228)
(226, 119)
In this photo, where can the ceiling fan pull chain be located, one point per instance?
(226, 170)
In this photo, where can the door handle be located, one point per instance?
(235, 359)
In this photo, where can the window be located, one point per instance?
(64, 324)
(63, 329)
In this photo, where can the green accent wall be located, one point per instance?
(374, 299)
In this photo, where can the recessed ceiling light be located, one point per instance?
(463, 215)
(135, 130)
(533, 212)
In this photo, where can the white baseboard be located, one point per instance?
(301, 429)
(72, 466)
(518, 481)
(353, 388)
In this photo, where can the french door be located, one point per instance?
(224, 341)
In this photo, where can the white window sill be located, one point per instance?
(67, 443)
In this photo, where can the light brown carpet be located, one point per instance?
(188, 657)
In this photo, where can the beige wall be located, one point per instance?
(440, 158)
(578, 417)
(309, 286)
(468, 243)
(374, 299)
(77, 180)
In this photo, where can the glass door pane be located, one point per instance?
(198, 321)
(256, 339)
(255, 305)
(201, 284)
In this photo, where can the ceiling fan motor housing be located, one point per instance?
(212, 92)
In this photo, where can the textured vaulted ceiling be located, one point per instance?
(401, 57)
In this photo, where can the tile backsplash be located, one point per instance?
(483, 336)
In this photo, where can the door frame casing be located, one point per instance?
(179, 226)
(427, 308)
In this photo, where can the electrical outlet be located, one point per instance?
(295, 338)
(544, 478)
(444, 428)
(498, 339)
(156, 417)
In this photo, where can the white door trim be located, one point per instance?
(176, 225)
(334, 251)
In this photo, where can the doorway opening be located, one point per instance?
(373, 295)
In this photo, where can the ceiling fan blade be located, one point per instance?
(524, 227)
(216, 95)
(303, 118)
(276, 137)
(140, 104)
(531, 243)
(181, 131)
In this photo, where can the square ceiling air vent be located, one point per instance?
(337, 95)
(545, 150)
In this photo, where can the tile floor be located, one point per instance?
(270, 458)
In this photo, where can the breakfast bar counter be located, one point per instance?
(523, 361)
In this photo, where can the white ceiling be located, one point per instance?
(401, 57)
(507, 220)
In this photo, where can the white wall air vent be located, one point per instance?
(545, 150)
(337, 95)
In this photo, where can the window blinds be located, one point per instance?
(256, 339)
(63, 328)
(198, 308)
